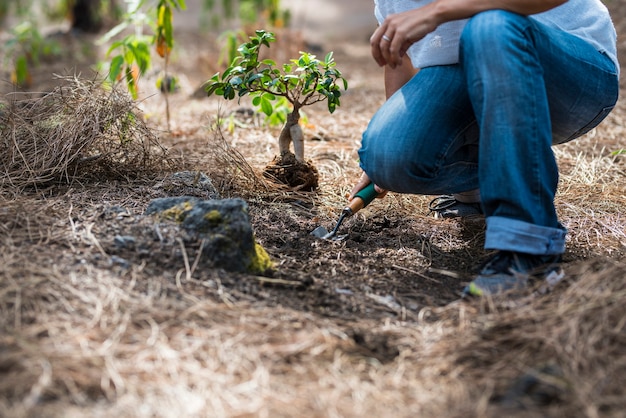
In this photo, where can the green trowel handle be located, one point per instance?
(363, 198)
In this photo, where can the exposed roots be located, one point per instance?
(288, 170)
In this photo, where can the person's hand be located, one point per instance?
(364, 180)
(398, 32)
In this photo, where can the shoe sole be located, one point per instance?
(548, 283)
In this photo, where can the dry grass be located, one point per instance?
(85, 342)
(591, 195)
(77, 130)
(81, 337)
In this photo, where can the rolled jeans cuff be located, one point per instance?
(513, 235)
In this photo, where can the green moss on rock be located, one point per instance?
(177, 213)
(260, 261)
(213, 216)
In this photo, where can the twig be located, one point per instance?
(282, 282)
(185, 258)
(198, 256)
(416, 273)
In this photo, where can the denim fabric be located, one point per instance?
(520, 88)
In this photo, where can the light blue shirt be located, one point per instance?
(587, 19)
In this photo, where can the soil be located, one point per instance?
(299, 175)
(396, 261)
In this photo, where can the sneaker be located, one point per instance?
(447, 206)
(510, 271)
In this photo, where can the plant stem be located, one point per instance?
(166, 90)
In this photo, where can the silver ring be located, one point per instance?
(386, 38)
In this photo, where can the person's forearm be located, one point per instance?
(448, 10)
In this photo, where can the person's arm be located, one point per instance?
(398, 32)
(398, 76)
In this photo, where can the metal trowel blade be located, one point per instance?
(321, 232)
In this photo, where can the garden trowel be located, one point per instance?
(363, 198)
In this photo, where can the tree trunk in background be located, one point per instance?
(86, 16)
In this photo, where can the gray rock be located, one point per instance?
(188, 183)
(224, 228)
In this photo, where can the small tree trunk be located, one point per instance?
(297, 137)
(292, 132)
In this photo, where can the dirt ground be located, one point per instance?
(368, 326)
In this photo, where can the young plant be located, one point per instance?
(303, 82)
(130, 56)
(131, 60)
(24, 48)
(164, 42)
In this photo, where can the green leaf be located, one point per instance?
(168, 29)
(161, 15)
(130, 82)
(114, 46)
(21, 69)
(212, 89)
(266, 106)
(304, 60)
(253, 78)
(226, 73)
(236, 81)
(229, 92)
(115, 68)
(142, 56)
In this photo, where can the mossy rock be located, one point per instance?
(223, 226)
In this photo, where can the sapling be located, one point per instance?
(131, 55)
(303, 82)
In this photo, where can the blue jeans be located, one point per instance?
(489, 122)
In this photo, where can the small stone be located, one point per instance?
(188, 183)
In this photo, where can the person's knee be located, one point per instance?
(383, 163)
(395, 169)
(490, 28)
